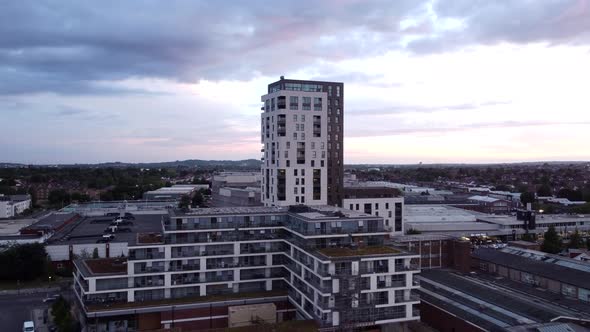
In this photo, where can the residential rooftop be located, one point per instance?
(319, 212)
(106, 265)
(91, 229)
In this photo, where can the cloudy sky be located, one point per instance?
(430, 81)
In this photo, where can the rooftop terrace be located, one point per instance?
(183, 300)
(365, 251)
(106, 265)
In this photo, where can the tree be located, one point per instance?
(527, 197)
(551, 242)
(572, 195)
(95, 253)
(26, 262)
(576, 241)
(198, 199)
(59, 197)
(544, 190)
(62, 316)
(184, 203)
(502, 187)
(529, 237)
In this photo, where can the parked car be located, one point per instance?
(28, 326)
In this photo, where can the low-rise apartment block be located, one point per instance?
(321, 263)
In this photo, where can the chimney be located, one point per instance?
(282, 78)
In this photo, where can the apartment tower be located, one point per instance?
(302, 135)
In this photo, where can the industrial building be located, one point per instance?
(236, 189)
(458, 222)
(193, 269)
(553, 273)
(174, 192)
(471, 302)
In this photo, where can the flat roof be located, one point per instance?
(227, 210)
(13, 226)
(437, 213)
(53, 220)
(423, 237)
(91, 229)
(542, 268)
(481, 304)
(319, 212)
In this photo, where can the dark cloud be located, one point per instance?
(64, 46)
(45, 43)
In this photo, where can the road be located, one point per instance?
(15, 309)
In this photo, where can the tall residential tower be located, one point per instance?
(302, 137)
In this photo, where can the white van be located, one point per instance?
(28, 326)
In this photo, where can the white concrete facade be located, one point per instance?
(283, 130)
(389, 208)
(10, 208)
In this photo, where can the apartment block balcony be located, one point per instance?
(405, 299)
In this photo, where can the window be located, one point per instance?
(302, 191)
(286, 154)
(337, 91)
(350, 207)
(314, 154)
(313, 163)
(297, 181)
(336, 102)
(302, 127)
(302, 117)
(302, 136)
(303, 181)
(323, 154)
(306, 104)
(288, 163)
(330, 91)
(295, 172)
(321, 145)
(317, 104)
(295, 136)
(338, 111)
(295, 190)
(303, 172)
(322, 163)
(313, 145)
(294, 117)
(293, 102)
